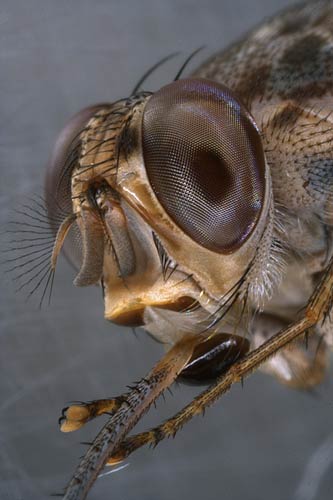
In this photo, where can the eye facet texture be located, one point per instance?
(205, 163)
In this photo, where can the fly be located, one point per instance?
(205, 212)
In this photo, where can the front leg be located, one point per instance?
(211, 357)
(316, 312)
(135, 403)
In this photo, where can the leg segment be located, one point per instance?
(135, 403)
(302, 364)
(210, 359)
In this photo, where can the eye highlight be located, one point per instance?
(205, 162)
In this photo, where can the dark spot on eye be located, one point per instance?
(212, 165)
(287, 117)
(305, 52)
(253, 82)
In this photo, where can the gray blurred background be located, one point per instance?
(262, 442)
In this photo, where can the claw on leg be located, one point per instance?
(77, 415)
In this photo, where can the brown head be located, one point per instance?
(167, 196)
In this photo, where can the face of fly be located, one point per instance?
(168, 197)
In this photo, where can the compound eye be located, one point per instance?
(64, 159)
(205, 162)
